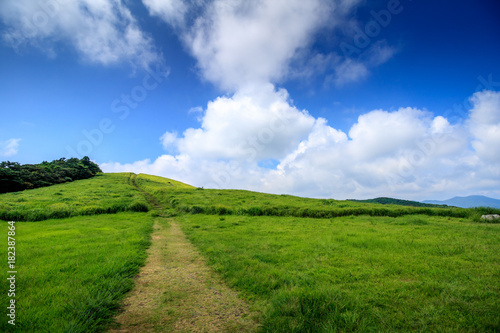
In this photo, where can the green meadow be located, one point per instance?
(364, 273)
(181, 199)
(77, 264)
(305, 265)
(72, 273)
(105, 193)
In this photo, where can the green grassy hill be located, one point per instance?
(183, 198)
(105, 193)
(306, 265)
(76, 265)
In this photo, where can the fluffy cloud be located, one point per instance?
(241, 42)
(178, 167)
(9, 147)
(379, 132)
(405, 153)
(385, 153)
(257, 139)
(485, 125)
(102, 31)
(254, 126)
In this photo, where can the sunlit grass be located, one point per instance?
(412, 273)
(155, 183)
(367, 267)
(73, 272)
(182, 198)
(105, 193)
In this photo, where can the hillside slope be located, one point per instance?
(112, 193)
(304, 265)
(182, 198)
(102, 194)
(314, 265)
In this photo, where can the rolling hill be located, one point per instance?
(301, 265)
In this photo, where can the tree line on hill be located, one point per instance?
(17, 177)
(399, 202)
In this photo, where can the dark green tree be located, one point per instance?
(17, 177)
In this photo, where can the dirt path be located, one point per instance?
(176, 291)
(152, 200)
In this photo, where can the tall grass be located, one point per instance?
(309, 265)
(365, 274)
(326, 213)
(73, 272)
(103, 194)
(182, 198)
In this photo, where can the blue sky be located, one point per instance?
(324, 98)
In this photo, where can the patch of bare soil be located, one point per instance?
(177, 292)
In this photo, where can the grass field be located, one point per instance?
(369, 274)
(367, 267)
(105, 193)
(73, 272)
(370, 267)
(181, 199)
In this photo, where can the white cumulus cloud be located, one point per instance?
(407, 153)
(240, 42)
(255, 138)
(385, 152)
(485, 125)
(253, 126)
(102, 31)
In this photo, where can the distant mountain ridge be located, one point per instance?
(467, 202)
(400, 202)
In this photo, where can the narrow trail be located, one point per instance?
(152, 200)
(177, 292)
